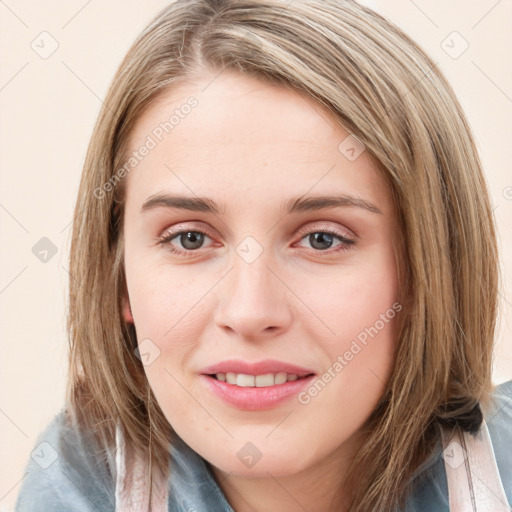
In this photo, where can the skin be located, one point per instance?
(251, 147)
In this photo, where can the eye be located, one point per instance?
(322, 240)
(190, 240)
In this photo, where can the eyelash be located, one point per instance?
(167, 237)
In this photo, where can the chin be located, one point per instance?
(259, 459)
(275, 465)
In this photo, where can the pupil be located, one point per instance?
(325, 240)
(191, 240)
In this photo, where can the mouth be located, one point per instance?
(264, 380)
(255, 386)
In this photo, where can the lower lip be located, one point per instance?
(254, 398)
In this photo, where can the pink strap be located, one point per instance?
(132, 481)
(474, 483)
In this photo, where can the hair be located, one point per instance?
(382, 88)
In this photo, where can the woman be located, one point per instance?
(280, 295)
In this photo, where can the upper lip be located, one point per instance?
(255, 368)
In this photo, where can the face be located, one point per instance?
(265, 313)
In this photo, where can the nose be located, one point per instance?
(253, 301)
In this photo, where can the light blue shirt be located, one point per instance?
(65, 472)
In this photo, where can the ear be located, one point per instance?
(127, 311)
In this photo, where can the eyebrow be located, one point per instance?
(300, 204)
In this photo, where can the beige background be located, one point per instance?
(48, 107)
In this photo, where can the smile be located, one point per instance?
(255, 398)
(259, 381)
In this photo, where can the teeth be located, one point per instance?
(259, 381)
(245, 381)
(280, 378)
(265, 380)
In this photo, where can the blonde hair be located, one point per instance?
(385, 90)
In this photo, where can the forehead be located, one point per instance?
(238, 134)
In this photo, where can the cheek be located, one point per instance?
(357, 298)
(170, 309)
(162, 299)
(360, 313)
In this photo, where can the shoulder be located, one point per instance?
(499, 423)
(65, 473)
(430, 489)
